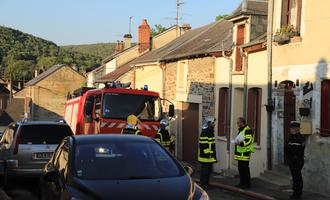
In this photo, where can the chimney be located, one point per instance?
(144, 36)
(121, 46)
(117, 47)
(244, 5)
(186, 27)
(127, 41)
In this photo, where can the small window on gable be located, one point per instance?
(182, 75)
(291, 13)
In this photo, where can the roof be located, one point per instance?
(121, 70)
(45, 74)
(261, 39)
(194, 42)
(199, 41)
(201, 44)
(115, 54)
(250, 7)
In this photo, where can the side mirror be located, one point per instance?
(171, 110)
(51, 176)
(189, 170)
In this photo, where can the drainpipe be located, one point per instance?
(245, 63)
(228, 127)
(163, 68)
(269, 84)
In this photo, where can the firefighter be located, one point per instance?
(294, 150)
(131, 127)
(206, 151)
(163, 136)
(244, 146)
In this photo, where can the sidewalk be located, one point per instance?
(259, 189)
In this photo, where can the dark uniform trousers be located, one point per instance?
(294, 149)
(206, 169)
(244, 172)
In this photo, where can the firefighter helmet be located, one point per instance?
(164, 122)
(208, 122)
(132, 119)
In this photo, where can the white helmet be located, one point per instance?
(164, 122)
(208, 122)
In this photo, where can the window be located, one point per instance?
(291, 13)
(120, 106)
(239, 41)
(182, 75)
(325, 108)
(222, 111)
(43, 134)
(254, 112)
(97, 106)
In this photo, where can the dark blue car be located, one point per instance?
(116, 167)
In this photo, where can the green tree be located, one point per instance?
(158, 29)
(217, 18)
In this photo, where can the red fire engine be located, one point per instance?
(93, 111)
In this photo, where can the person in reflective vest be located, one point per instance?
(131, 127)
(294, 151)
(163, 136)
(206, 151)
(244, 146)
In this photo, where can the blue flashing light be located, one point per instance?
(145, 87)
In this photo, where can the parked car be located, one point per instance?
(28, 145)
(115, 166)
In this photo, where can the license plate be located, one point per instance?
(43, 155)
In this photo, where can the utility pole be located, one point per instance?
(178, 4)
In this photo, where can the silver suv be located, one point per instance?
(27, 146)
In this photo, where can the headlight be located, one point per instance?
(204, 196)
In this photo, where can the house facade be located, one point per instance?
(46, 94)
(301, 81)
(125, 52)
(241, 85)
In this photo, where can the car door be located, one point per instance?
(6, 143)
(54, 189)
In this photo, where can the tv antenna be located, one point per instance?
(178, 5)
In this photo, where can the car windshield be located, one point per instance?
(123, 161)
(119, 106)
(43, 134)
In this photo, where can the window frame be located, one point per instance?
(222, 111)
(286, 14)
(254, 106)
(183, 77)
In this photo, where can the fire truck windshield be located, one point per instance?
(119, 106)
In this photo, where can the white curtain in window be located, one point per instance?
(293, 12)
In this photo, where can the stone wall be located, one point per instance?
(49, 95)
(200, 81)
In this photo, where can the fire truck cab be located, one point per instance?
(93, 111)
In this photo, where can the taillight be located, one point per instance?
(16, 143)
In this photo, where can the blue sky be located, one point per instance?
(92, 21)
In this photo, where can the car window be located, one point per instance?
(8, 136)
(43, 134)
(124, 160)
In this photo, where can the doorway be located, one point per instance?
(190, 128)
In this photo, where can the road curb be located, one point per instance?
(254, 195)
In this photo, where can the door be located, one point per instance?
(190, 131)
(289, 112)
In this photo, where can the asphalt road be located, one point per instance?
(28, 189)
